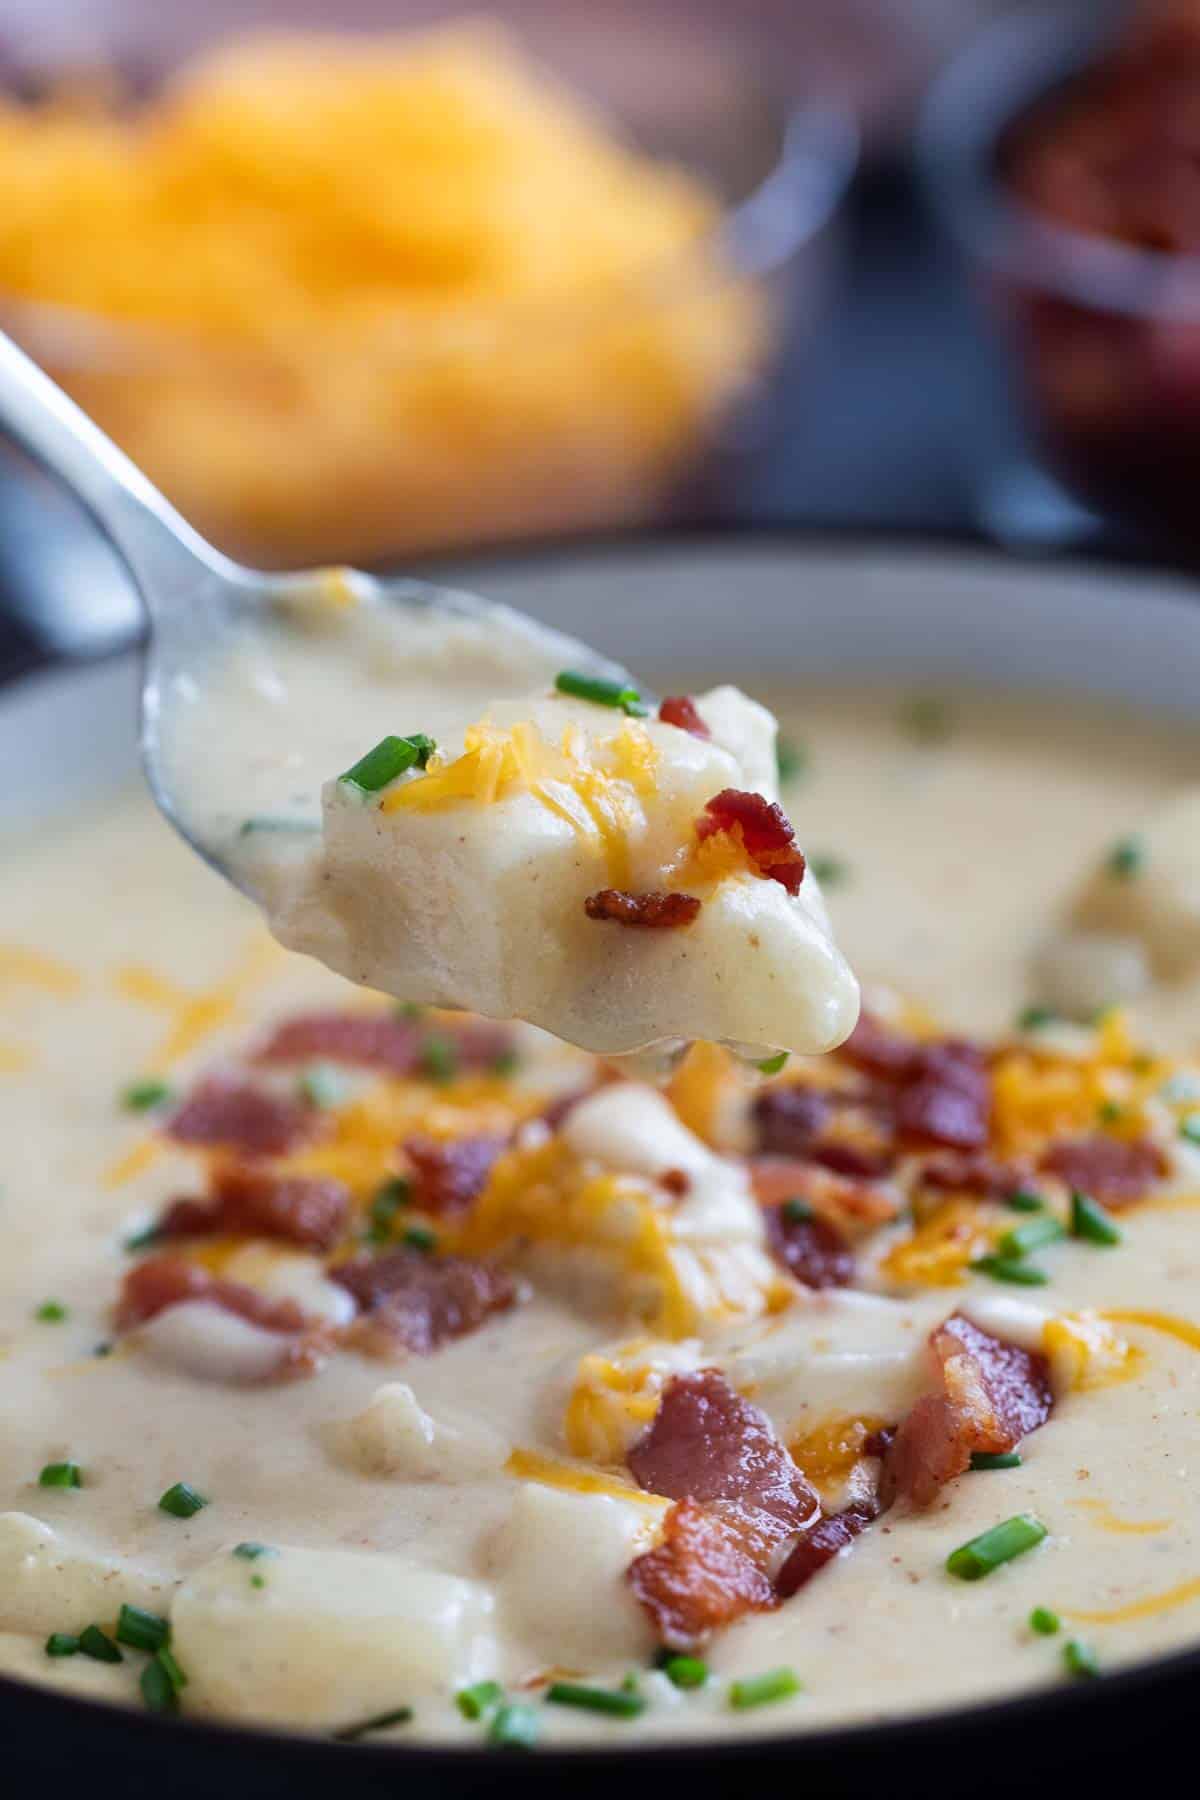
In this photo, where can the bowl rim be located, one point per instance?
(984, 90)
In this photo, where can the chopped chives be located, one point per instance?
(143, 1096)
(1012, 1269)
(1043, 1621)
(51, 1312)
(995, 1459)
(629, 1683)
(686, 1671)
(141, 1630)
(408, 1009)
(763, 1690)
(158, 1690)
(1189, 1128)
(99, 1646)
(505, 1062)
(772, 1065)
(791, 758)
(143, 1240)
(980, 1555)
(1090, 1220)
(1024, 1200)
(1033, 1018)
(62, 1643)
(170, 1668)
(1035, 1234)
(515, 1727)
(258, 1581)
(322, 1086)
(61, 1475)
(796, 1211)
(830, 871)
(419, 1237)
(182, 1501)
(613, 1701)
(389, 1198)
(392, 756)
(1080, 1659)
(250, 1551)
(473, 1702)
(1125, 859)
(1110, 1113)
(439, 1058)
(601, 692)
(349, 1734)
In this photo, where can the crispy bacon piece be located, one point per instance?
(681, 710)
(787, 1119)
(654, 911)
(765, 831)
(411, 1301)
(991, 1394)
(297, 1209)
(160, 1282)
(381, 1041)
(851, 1203)
(696, 1579)
(1117, 1171)
(448, 1177)
(229, 1111)
(812, 1250)
(973, 1172)
(850, 1160)
(707, 1443)
(878, 1049)
(948, 1097)
(828, 1536)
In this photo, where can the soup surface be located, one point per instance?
(426, 1338)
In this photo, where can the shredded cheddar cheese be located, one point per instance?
(553, 1471)
(1086, 1353)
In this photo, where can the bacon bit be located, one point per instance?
(697, 1579)
(878, 1443)
(812, 1251)
(226, 1110)
(991, 1395)
(380, 1041)
(830, 1535)
(857, 1165)
(873, 1046)
(852, 1205)
(973, 1172)
(676, 1181)
(949, 1098)
(449, 1176)
(660, 912)
(681, 710)
(297, 1209)
(164, 1281)
(707, 1443)
(411, 1301)
(1116, 1171)
(765, 831)
(787, 1119)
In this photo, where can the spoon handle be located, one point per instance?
(165, 556)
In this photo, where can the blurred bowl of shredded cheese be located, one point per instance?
(349, 296)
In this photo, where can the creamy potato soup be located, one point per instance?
(377, 1371)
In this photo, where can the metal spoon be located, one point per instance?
(197, 600)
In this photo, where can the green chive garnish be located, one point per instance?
(51, 1312)
(258, 1581)
(143, 1240)
(686, 1671)
(1033, 1018)
(141, 1630)
(1189, 1128)
(772, 1065)
(61, 1475)
(419, 1237)
(143, 1096)
(250, 1551)
(763, 1690)
(514, 1727)
(158, 1690)
(505, 1062)
(1043, 1621)
(439, 1058)
(1109, 1113)
(474, 1702)
(1024, 1200)
(1034, 1235)
(796, 1211)
(182, 1501)
(978, 1557)
(601, 692)
(593, 1699)
(349, 1734)
(322, 1086)
(391, 756)
(1090, 1220)
(791, 758)
(926, 719)
(170, 1668)
(994, 1459)
(61, 1643)
(1125, 859)
(1011, 1269)
(1080, 1659)
(388, 1201)
(830, 871)
(99, 1646)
